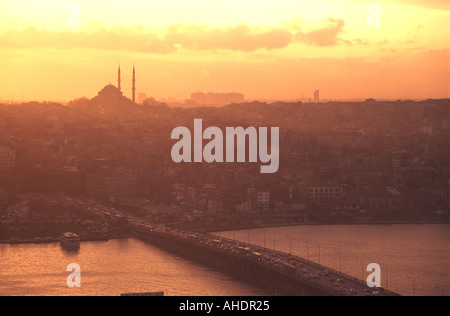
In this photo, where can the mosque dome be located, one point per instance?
(110, 91)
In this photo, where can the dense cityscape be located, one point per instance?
(227, 154)
(340, 162)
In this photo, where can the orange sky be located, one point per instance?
(266, 49)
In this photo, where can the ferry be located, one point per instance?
(70, 241)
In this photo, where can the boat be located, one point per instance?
(70, 241)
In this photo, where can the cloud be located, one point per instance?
(239, 38)
(242, 37)
(131, 39)
(434, 4)
(325, 36)
(414, 35)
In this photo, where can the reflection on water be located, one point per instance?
(415, 259)
(109, 268)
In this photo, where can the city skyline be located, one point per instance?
(210, 149)
(200, 98)
(278, 51)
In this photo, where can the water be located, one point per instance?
(109, 268)
(415, 259)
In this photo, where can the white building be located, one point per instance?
(246, 206)
(324, 191)
(317, 96)
(263, 201)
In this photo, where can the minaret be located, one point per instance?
(134, 85)
(118, 81)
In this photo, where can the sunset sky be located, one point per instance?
(266, 49)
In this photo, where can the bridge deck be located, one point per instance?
(278, 266)
(326, 280)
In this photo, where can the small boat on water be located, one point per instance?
(70, 241)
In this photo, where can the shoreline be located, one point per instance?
(249, 227)
(48, 240)
(55, 240)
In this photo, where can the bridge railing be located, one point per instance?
(275, 268)
(288, 256)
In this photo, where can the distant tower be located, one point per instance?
(134, 85)
(317, 96)
(118, 81)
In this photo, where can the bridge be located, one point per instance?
(277, 273)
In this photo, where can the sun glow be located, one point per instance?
(263, 48)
